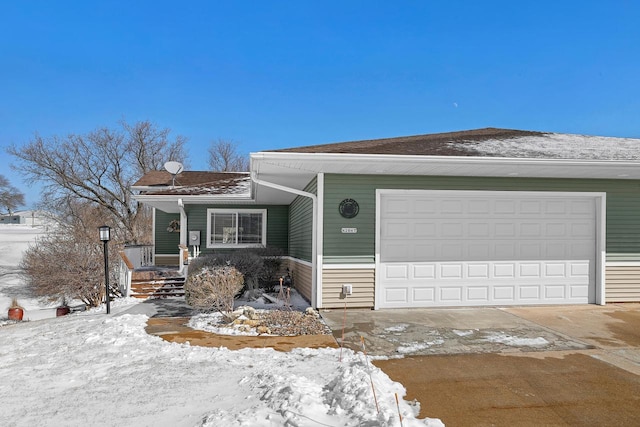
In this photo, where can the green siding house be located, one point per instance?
(490, 217)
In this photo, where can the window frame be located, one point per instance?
(263, 239)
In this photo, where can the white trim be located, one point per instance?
(601, 247)
(369, 266)
(263, 239)
(298, 260)
(183, 224)
(601, 218)
(319, 231)
(153, 230)
(376, 283)
(622, 264)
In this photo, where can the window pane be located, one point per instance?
(224, 228)
(250, 231)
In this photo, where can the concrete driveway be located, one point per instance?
(559, 365)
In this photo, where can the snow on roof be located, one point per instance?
(489, 142)
(556, 146)
(236, 185)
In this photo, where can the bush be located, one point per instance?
(213, 288)
(259, 266)
(60, 266)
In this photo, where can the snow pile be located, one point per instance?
(502, 338)
(93, 369)
(466, 333)
(400, 327)
(215, 323)
(414, 347)
(559, 146)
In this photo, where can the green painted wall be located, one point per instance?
(166, 243)
(301, 224)
(277, 226)
(623, 208)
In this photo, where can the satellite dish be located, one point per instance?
(174, 168)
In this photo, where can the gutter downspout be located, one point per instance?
(314, 227)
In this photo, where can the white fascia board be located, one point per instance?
(148, 188)
(191, 199)
(347, 157)
(449, 165)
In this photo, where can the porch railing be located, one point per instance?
(138, 256)
(131, 258)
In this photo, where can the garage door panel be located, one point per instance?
(422, 230)
(528, 292)
(422, 295)
(471, 250)
(554, 292)
(478, 294)
(397, 295)
(503, 294)
(451, 294)
(478, 271)
(424, 271)
(579, 291)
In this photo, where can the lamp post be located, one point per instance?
(105, 232)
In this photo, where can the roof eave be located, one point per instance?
(384, 164)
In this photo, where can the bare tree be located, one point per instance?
(76, 254)
(10, 197)
(100, 168)
(224, 157)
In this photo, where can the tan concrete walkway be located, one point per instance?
(524, 366)
(175, 329)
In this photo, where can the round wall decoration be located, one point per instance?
(349, 208)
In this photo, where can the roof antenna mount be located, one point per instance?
(174, 168)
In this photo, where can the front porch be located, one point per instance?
(140, 277)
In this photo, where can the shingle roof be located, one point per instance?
(195, 182)
(163, 178)
(437, 144)
(490, 142)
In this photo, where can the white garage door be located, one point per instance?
(467, 248)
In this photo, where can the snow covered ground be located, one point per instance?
(14, 240)
(90, 369)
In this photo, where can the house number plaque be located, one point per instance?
(349, 230)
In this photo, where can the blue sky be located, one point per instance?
(271, 74)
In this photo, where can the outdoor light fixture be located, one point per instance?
(105, 232)
(105, 235)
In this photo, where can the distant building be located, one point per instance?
(12, 219)
(33, 218)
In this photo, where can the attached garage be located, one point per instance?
(471, 248)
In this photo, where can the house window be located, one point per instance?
(236, 228)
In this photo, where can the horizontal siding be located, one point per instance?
(363, 281)
(167, 260)
(623, 257)
(623, 283)
(165, 242)
(301, 225)
(302, 275)
(623, 205)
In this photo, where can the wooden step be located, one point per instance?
(158, 287)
